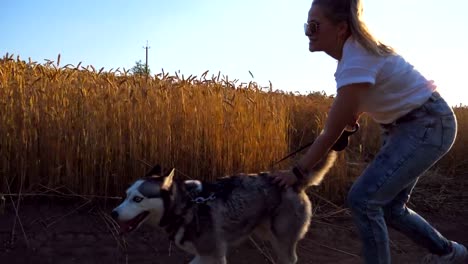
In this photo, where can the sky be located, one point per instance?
(233, 37)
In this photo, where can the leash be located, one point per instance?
(294, 153)
(339, 145)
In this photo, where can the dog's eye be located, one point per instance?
(137, 199)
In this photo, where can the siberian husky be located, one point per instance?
(206, 218)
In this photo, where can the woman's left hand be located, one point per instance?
(284, 178)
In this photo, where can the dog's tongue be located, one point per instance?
(131, 224)
(128, 226)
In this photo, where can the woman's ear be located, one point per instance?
(343, 29)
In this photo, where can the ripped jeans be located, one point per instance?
(379, 197)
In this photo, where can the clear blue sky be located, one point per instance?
(233, 36)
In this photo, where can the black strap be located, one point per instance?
(343, 140)
(339, 145)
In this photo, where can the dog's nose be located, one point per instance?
(114, 215)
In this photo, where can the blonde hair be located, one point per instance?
(350, 11)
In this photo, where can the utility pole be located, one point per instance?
(146, 64)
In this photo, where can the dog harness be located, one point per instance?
(196, 200)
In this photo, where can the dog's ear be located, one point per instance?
(167, 181)
(155, 171)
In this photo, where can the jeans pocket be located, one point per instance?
(449, 132)
(429, 131)
(423, 130)
(438, 131)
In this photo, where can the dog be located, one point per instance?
(206, 218)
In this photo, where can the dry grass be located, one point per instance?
(95, 131)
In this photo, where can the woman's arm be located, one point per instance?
(344, 112)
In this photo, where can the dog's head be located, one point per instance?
(144, 200)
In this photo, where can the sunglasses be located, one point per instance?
(311, 28)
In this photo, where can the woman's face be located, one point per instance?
(323, 34)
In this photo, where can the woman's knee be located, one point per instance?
(356, 200)
(394, 210)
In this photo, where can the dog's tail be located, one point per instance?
(317, 174)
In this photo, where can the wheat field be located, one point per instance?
(95, 131)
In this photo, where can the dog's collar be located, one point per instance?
(172, 221)
(201, 199)
(195, 197)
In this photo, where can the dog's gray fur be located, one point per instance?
(229, 211)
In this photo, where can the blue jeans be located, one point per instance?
(379, 197)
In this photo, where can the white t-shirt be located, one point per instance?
(397, 88)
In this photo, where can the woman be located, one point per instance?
(418, 129)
